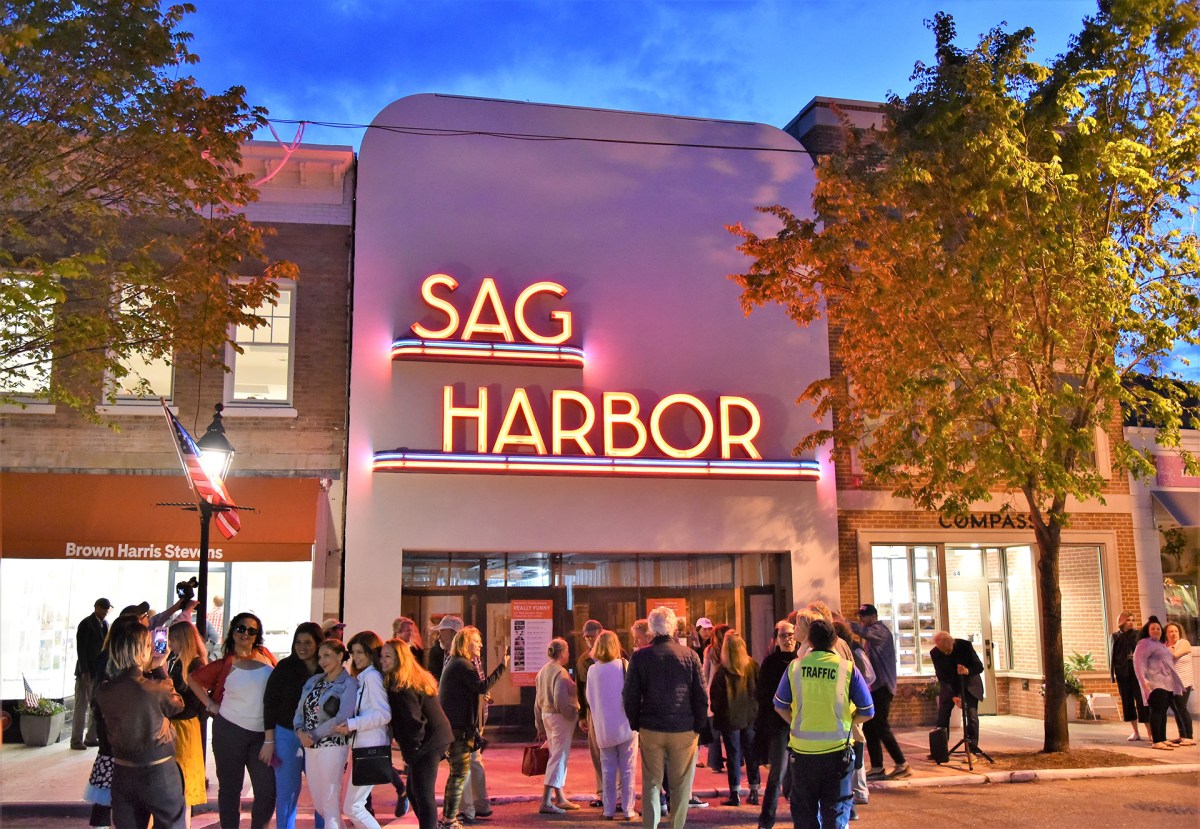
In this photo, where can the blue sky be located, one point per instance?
(757, 60)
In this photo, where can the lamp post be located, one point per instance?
(216, 456)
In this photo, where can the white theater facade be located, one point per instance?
(555, 395)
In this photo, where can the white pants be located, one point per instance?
(355, 805)
(325, 767)
(558, 739)
(616, 772)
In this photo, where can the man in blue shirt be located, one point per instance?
(881, 647)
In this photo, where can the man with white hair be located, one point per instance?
(665, 701)
(960, 672)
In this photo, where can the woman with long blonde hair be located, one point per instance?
(459, 692)
(734, 697)
(419, 725)
(188, 653)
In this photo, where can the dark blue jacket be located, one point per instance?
(664, 690)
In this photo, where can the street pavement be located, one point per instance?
(42, 786)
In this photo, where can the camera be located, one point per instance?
(186, 590)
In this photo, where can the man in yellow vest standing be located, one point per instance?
(821, 696)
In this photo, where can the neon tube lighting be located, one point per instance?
(451, 462)
(463, 351)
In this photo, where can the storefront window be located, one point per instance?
(420, 571)
(1023, 612)
(42, 603)
(278, 592)
(1084, 628)
(906, 596)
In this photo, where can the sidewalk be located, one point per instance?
(49, 781)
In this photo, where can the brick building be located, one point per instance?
(78, 499)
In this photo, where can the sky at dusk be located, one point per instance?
(758, 60)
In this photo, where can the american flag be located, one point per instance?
(211, 489)
(31, 699)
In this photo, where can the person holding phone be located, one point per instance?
(135, 701)
(231, 690)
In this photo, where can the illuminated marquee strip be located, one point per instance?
(462, 462)
(463, 351)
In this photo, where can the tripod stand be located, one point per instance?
(964, 743)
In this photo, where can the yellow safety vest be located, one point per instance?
(822, 711)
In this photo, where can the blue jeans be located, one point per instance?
(737, 745)
(820, 797)
(777, 776)
(287, 779)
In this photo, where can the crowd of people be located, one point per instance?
(1152, 668)
(815, 713)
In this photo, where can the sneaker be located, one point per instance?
(697, 803)
(465, 820)
(596, 803)
(483, 815)
(853, 814)
(78, 747)
(401, 807)
(859, 800)
(876, 774)
(902, 770)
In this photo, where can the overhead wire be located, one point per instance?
(440, 132)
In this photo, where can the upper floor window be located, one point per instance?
(27, 311)
(147, 378)
(262, 372)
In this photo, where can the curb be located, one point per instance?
(1034, 776)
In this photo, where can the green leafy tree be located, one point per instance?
(120, 236)
(997, 263)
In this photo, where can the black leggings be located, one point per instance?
(422, 780)
(1182, 718)
(1160, 703)
(236, 752)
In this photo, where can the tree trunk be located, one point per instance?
(1049, 540)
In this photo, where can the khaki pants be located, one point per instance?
(677, 751)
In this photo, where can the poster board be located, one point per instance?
(532, 629)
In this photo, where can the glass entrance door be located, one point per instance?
(970, 613)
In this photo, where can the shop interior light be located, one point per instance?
(404, 460)
(464, 351)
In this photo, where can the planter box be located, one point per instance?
(41, 731)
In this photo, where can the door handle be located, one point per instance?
(987, 652)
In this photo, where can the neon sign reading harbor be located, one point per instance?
(567, 445)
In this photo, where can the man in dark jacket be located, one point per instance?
(960, 673)
(770, 731)
(89, 638)
(666, 703)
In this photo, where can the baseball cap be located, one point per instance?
(104, 603)
(142, 609)
(704, 622)
(453, 623)
(592, 628)
(331, 624)
(867, 610)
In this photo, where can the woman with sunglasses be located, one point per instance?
(372, 715)
(231, 690)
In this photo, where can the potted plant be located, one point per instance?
(1074, 665)
(41, 723)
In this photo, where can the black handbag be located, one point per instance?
(372, 765)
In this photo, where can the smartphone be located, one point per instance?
(160, 641)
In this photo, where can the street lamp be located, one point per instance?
(216, 456)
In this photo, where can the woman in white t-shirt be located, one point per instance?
(231, 690)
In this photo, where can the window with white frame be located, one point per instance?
(147, 378)
(27, 311)
(262, 372)
(906, 596)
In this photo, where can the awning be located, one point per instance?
(115, 517)
(1183, 505)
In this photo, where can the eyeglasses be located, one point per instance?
(249, 631)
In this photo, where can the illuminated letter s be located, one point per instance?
(438, 305)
